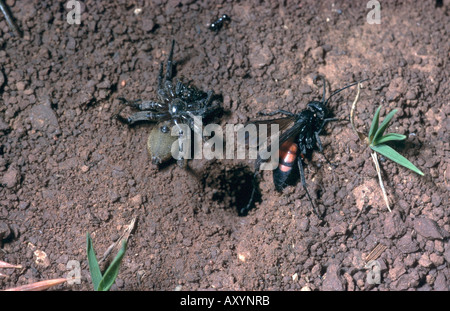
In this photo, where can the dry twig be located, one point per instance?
(375, 253)
(364, 138)
(124, 237)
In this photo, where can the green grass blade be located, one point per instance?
(389, 137)
(384, 125)
(374, 125)
(96, 275)
(113, 270)
(390, 153)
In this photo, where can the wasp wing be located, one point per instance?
(254, 140)
(289, 127)
(290, 133)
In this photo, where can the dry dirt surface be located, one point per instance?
(67, 167)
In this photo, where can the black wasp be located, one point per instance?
(218, 24)
(299, 138)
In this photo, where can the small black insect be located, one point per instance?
(218, 24)
(299, 139)
(178, 104)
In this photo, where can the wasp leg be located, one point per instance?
(319, 145)
(319, 142)
(303, 180)
(325, 121)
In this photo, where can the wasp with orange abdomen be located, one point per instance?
(299, 138)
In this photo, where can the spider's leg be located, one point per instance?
(151, 105)
(203, 105)
(178, 87)
(210, 107)
(127, 103)
(302, 178)
(163, 96)
(262, 113)
(161, 76)
(169, 66)
(182, 162)
(200, 113)
(168, 88)
(134, 103)
(144, 104)
(144, 116)
(209, 98)
(189, 117)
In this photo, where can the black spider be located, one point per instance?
(178, 104)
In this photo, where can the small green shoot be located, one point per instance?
(377, 141)
(103, 283)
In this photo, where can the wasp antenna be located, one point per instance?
(345, 87)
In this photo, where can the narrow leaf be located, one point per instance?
(374, 125)
(113, 270)
(396, 157)
(38, 286)
(384, 125)
(8, 265)
(94, 268)
(389, 137)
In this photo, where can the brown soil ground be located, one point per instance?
(68, 168)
